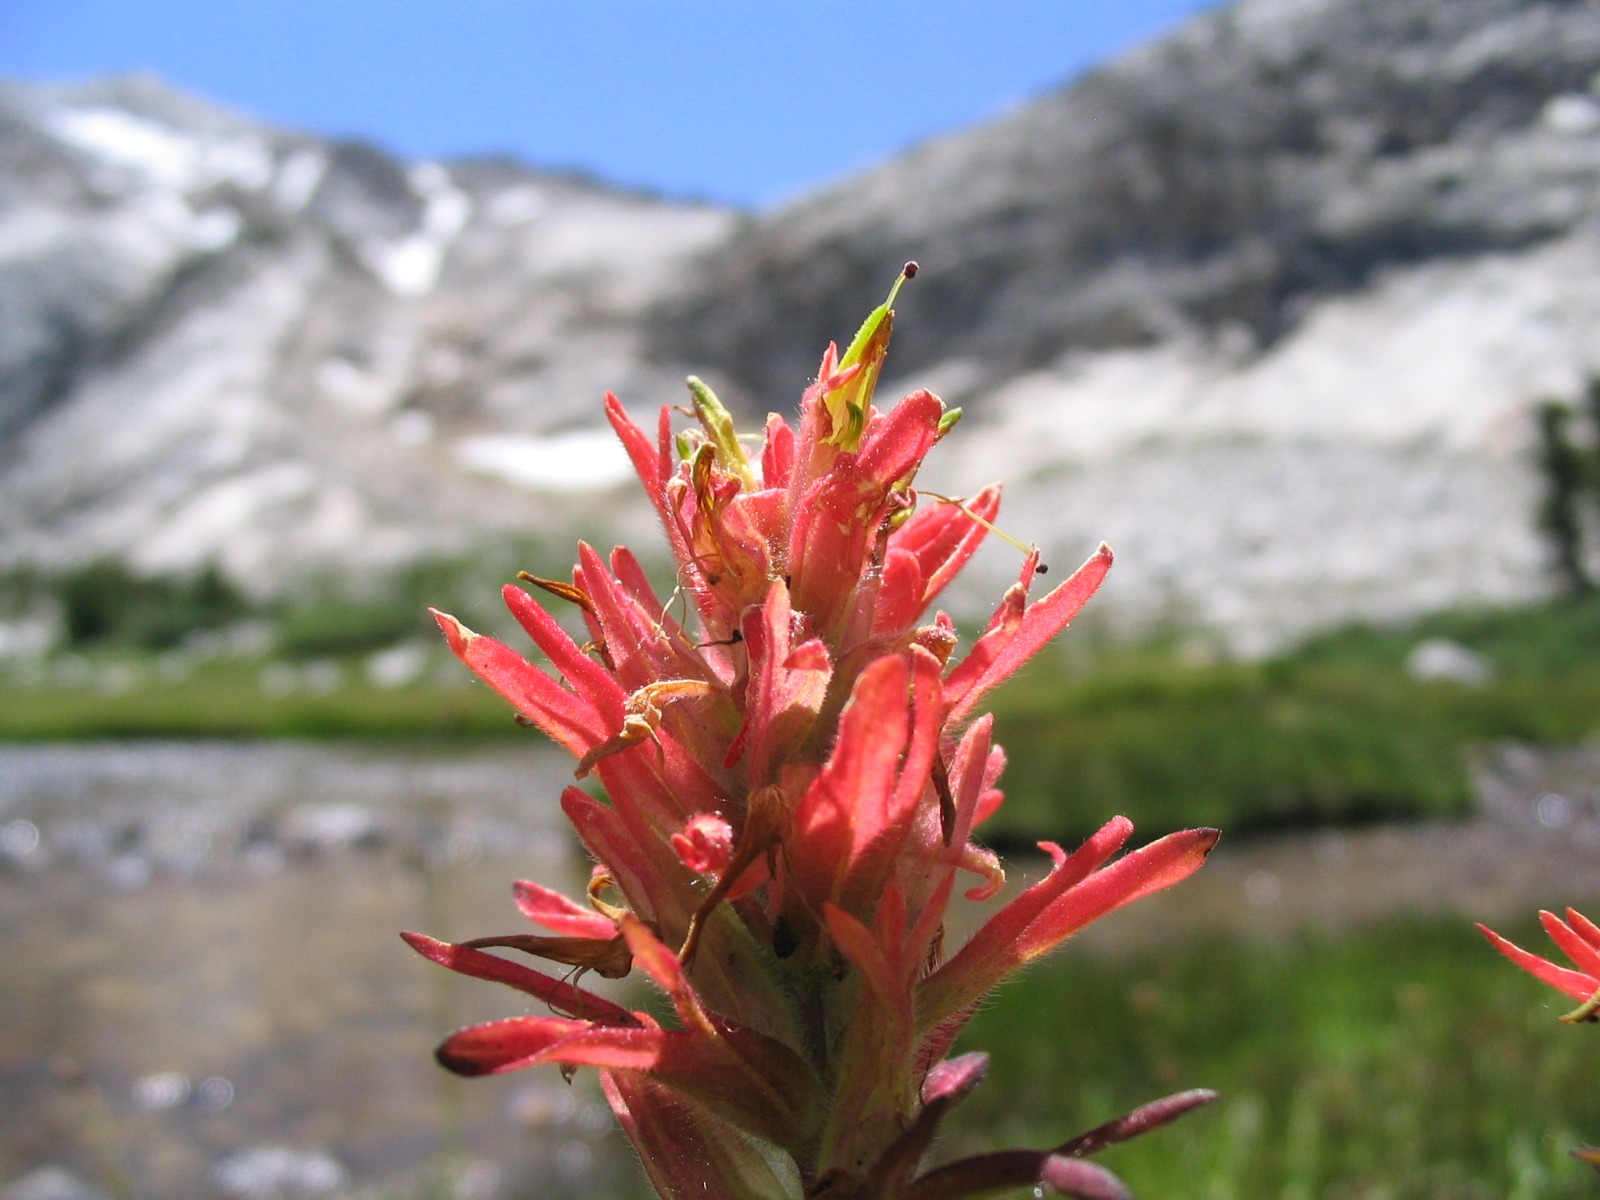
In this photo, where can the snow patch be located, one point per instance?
(615, 237)
(410, 266)
(340, 379)
(31, 231)
(413, 427)
(398, 666)
(586, 460)
(1450, 354)
(367, 392)
(1571, 113)
(298, 177)
(161, 156)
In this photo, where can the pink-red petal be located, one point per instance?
(701, 1067)
(557, 993)
(943, 536)
(1576, 984)
(1066, 900)
(1584, 928)
(858, 777)
(987, 1175)
(998, 654)
(566, 718)
(857, 943)
(588, 678)
(650, 462)
(557, 913)
(1584, 956)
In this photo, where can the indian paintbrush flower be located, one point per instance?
(1579, 939)
(792, 781)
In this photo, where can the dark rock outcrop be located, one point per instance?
(1230, 176)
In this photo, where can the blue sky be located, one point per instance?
(743, 101)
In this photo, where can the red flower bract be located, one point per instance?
(792, 790)
(1579, 939)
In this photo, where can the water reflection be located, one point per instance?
(204, 995)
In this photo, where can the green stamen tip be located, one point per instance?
(718, 424)
(702, 393)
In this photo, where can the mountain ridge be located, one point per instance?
(254, 347)
(1266, 302)
(1261, 151)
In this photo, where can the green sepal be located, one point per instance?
(1586, 1013)
(857, 350)
(847, 405)
(717, 421)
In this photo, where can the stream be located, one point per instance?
(203, 995)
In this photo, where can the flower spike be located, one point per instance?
(793, 764)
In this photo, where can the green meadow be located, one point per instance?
(1333, 731)
(1405, 1061)
(1389, 1062)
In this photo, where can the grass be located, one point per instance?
(227, 700)
(1333, 732)
(1239, 745)
(1395, 1062)
(1405, 1061)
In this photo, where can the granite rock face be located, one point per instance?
(1265, 303)
(224, 342)
(1221, 181)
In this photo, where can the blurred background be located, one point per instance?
(305, 316)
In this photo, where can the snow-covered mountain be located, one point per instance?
(227, 342)
(1266, 304)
